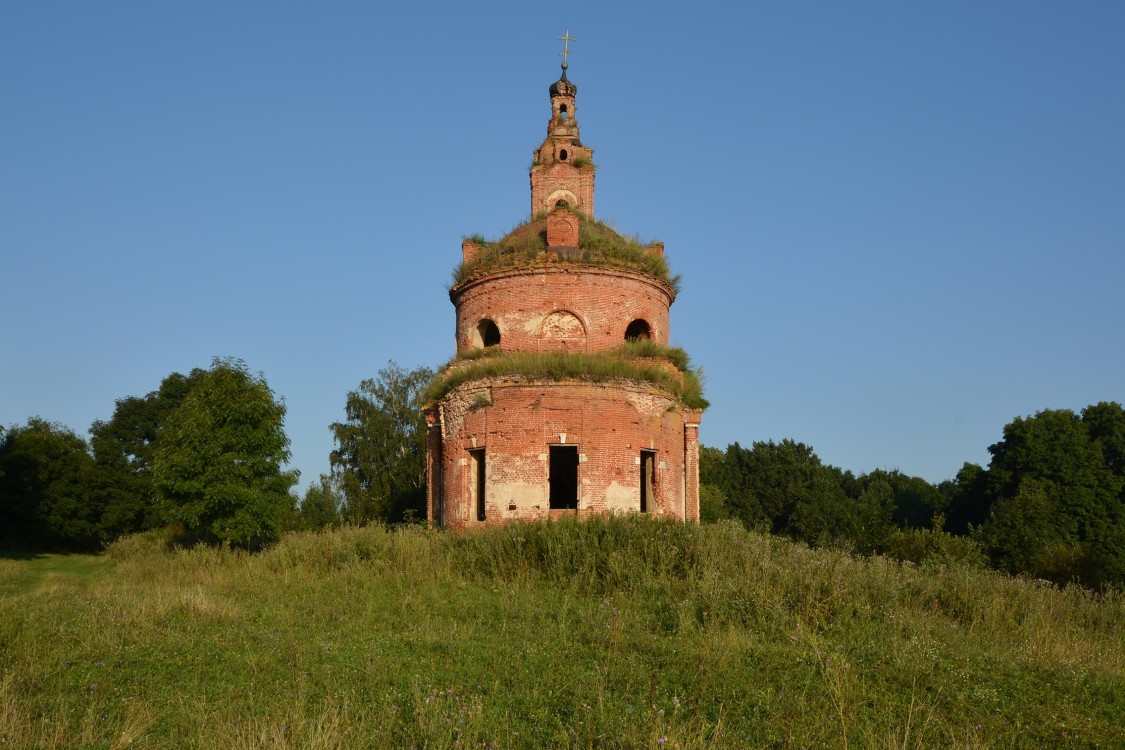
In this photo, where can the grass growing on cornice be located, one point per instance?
(600, 245)
(624, 363)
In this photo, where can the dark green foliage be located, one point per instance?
(1051, 503)
(380, 455)
(219, 457)
(784, 488)
(915, 500)
(44, 503)
(124, 447)
(967, 499)
(1056, 493)
(712, 504)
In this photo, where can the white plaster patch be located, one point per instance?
(620, 497)
(520, 494)
(532, 325)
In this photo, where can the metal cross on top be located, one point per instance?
(566, 39)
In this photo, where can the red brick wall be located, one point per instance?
(521, 301)
(562, 176)
(516, 423)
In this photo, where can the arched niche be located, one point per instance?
(638, 330)
(563, 329)
(486, 333)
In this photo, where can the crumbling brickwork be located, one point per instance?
(503, 448)
(517, 423)
(521, 302)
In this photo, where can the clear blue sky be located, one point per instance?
(900, 225)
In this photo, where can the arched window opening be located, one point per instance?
(562, 155)
(487, 334)
(638, 330)
(562, 113)
(560, 203)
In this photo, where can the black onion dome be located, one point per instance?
(563, 87)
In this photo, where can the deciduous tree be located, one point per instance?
(218, 465)
(1057, 496)
(44, 500)
(320, 506)
(124, 448)
(380, 455)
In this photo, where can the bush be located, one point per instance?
(921, 545)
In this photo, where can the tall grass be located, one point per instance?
(599, 245)
(643, 361)
(616, 632)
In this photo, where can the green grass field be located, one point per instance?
(611, 633)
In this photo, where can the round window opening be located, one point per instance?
(638, 330)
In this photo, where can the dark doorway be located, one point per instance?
(476, 459)
(648, 479)
(563, 477)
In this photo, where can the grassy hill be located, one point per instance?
(611, 633)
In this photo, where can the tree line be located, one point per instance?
(206, 453)
(1050, 504)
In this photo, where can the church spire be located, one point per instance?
(563, 170)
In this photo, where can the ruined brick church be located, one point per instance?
(564, 397)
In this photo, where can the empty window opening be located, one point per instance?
(563, 477)
(638, 330)
(477, 474)
(562, 155)
(488, 332)
(648, 479)
(562, 113)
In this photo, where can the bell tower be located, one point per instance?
(562, 170)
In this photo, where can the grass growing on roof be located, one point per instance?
(641, 360)
(600, 246)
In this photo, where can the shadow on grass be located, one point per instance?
(21, 554)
